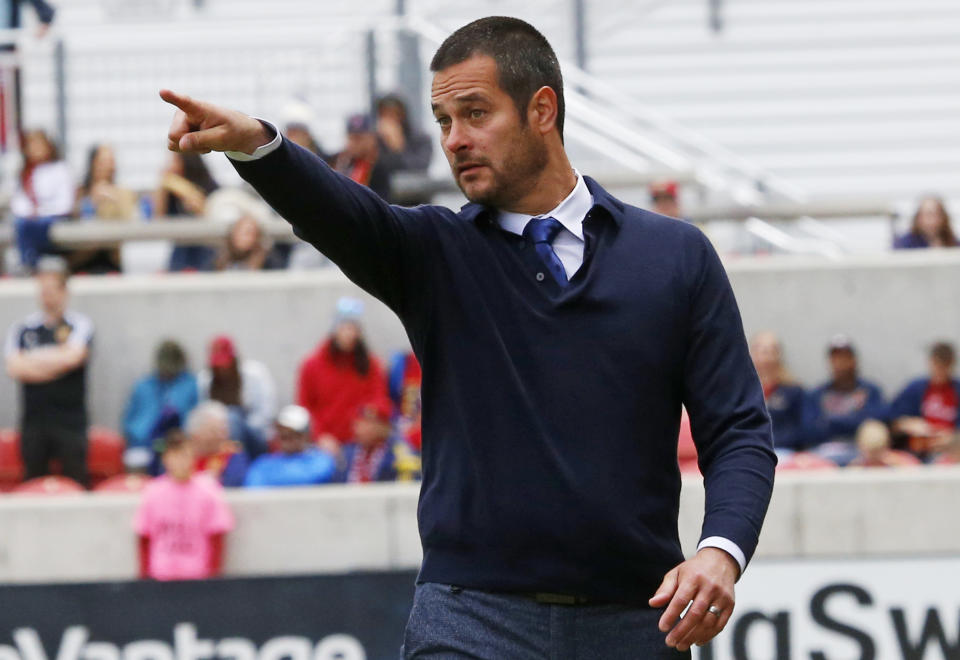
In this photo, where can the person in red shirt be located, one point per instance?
(926, 411)
(339, 376)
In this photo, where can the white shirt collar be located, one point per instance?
(569, 213)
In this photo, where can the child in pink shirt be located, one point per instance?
(182, 520)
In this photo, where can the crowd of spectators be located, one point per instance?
(847, 420)
(47, 192)
(343, 427)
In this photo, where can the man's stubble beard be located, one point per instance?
(522, 166)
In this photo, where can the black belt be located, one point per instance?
(545, 598)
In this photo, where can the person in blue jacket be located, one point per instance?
(170, 389)
(927, 411)
(298, 462)
(784, 397)
(837, 408)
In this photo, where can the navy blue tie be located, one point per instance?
(541, 232)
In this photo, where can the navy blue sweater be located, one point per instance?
(550, 416)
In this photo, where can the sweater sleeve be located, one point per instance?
(378, 246)
(728, 417)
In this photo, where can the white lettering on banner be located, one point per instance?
(100, 651)
(844, 609)
(236, 648)
(148, 649)
(74, 645)
(286, 648)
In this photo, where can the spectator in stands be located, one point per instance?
(836, 409)
(48, 354)
(298, 462)
(246, 388)
(299, 133)
(338, 377)
(926, 411)
(404, 383)
(100, 198)
(930, 227)
(44, 194)
(184, 187)
(182, 519)
(246, 248)
(10, 19)
(374, 454)
(360, 158)
(208, 432)
(873, 447)
(664, 198)
(784, 397)
(170, 389)
(401, 146)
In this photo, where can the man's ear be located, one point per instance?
(542, 110)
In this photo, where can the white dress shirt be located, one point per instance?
(568, 245)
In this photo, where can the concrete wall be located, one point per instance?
(341, 528)
(892, 305)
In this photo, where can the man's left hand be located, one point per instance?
(707, 580)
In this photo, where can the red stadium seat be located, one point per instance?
(49, 486)
(123, 483)
(804, 460)
(11, 461)
(686, 449)
(104, 454)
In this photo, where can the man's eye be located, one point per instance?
(443, 121)
(477, 114)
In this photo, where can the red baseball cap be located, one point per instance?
(378, 409)
(222, 352)
(663, 189)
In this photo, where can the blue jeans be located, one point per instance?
(32, 237)
(449, 623)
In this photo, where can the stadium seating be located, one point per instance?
(123, 483)
(11, 462)
(51, 485)
(104, 454)
(803, 460)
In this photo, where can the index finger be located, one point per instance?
(192, 108)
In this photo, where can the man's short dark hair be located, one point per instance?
(525, 60)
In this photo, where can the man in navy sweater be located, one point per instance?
(559, 331)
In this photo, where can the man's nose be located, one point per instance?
(457, 138)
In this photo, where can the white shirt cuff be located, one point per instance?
(727, 546)
(260, 151)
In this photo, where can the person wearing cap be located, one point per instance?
(47, 353)
(245, 387)
(374, 454)
(835, 410)
(360, 158)
(927, 411)
(340, 375)
(170, 389)
(664, 198)
(297, 461)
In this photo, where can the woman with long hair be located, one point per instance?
(339, 376)
(246, 388)
(44, 195)
(930, 227)
(184, 187)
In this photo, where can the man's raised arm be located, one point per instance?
(378, 246)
